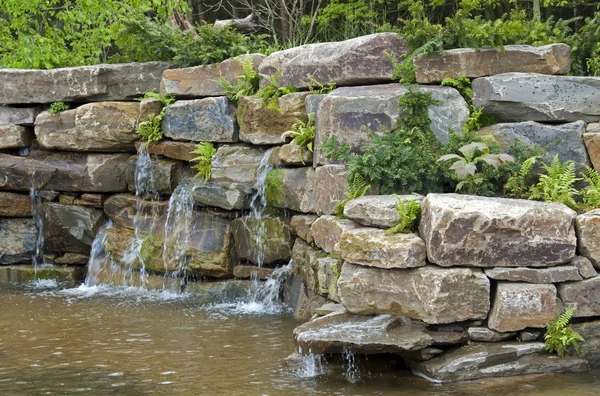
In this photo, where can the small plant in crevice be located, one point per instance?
(557, 184)
(303, 134)
(404, 69)
(591, 193)
(150, 130)
(463, 85)
(245, 85)
(519, 183)
(410, 215)
(58, 107)
(560, 337)
(357, 188)
(271, 91)
(273, 186)
(203, 165)
(316, 88)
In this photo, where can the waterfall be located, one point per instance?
(101, 269)
(258, 205)
(38, 218)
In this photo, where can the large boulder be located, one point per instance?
(330, 186)
(538, 97)
(348, 112)
(260, 123)
(61, 171)
(327, 230)
(160, 175)
(236, 164)
(562, 273)
(23, 116)
(15, 205)
(521, 305)
(199, 81)
(76, 84)
(262, 241)
(361, 60)
(17, 241)
(201, 120)
(431, 294)
(588, 232)
(591, 137)
(584, 296)
(103, 126)
(14, 136)
(296, 192)
(377, 210)
(496, 232)
(374, 248)
(70, 228)
(472, 63)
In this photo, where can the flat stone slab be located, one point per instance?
(228, 196)
(489, 232)
(483, 334)
(27, 273)
(168, 148)
(584, 295)
(330, 186)
(17, 240)
(538, 97)
(251, 272)
(161, 174)
(377, 210)
(563, 273)
(262, 241)
(472, 63)
(14, 136)
(15, 205)
(23, 116)
(327, 230)
(70, 228)
(588, 229)
(340, 332)
(236, 164)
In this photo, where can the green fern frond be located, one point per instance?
(205, 152)
(557, 184)
(591, 193)
(560, 337)
(245, 85)
(356, 188)
(517, 185)
(303, 134)
(151, 130)
(316, 88)
(410, 214)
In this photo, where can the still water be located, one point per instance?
(90, 340)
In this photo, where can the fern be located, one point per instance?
(462, 85)
(357, 188)
(517, 185)
(557, 184)
(245, 85)
(560, 337)
(303, 134)
(404, 70)
(410, 214)
(151, 129)
(58, 107)
(205, 152)
(316, 88)
(273, 184)
(270, 92)
(591, 193)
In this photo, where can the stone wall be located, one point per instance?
(479, 270)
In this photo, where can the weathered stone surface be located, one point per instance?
(374, 248)
(290, 155)
(377, 210)
(27, 273)
(66, 199)
(538, 97)
(14, 205)
(328, 308)
(526, 336)
(588, 231)
(72, 259)
(201, 120)
(69, 228)
(260, 124)
(122, 208)
(303, 301)
(346, 112)
(584, 266)
(431, 294)
(93, 83)
(483, 360)
(163, 175)
(327, 230)
(472, 63)
(305, 264)
(236, 164)
(203, 80)
(300, 226)
(563, 273)
(61, 171)
(251, 272)
(584, 295)
(103, 127)
(91, 200)
(228, 196)
(521, 305)
(496, 232)
(14, 136)
(340, 332)
(328, 273)
(356, 61)
(262, 241)
(296, 189)
(592, 142)
(566, 140)
(171, 149)
(590, 349)
(330, 186)
(484, 334)
(24, 116)
(17, 240)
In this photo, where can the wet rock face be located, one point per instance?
(15, 205)
(70, 228)
(538, 97)
(352, 62)
(472, 63)
(201, 120)
(520, 305)
(14, 136)
(590, 349)
(236, 164)
(327, 230)
(305, 262)
(17, 241)
(431, 294)
(377, 210)
(122, 209)
(203, 80)
(346, 112)
(262, 241)
(588, 230)
(228, 196)
(584, 295)
(163, 174)
(490, 232)
(330, 186)
(251, 272)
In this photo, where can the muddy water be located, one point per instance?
(130, 342)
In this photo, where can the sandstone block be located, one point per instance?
(17, 241)
(171, 149)
(23, 116)
(251, 272)
(161, 175)
(228, 196)
(592, 143)
(306, 265)
(588, 230)
(327, 230)
(584, 266)
(296, 192)
(15, 205)
(236, 164)
(14, 136)
(330, 186)
(262, 241)
(377, 210)
(290, 155)
(300, 226)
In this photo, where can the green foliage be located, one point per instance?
(518, 184)
(356, 188)
(404, 69)
(303, 134)
(591, 193)
(151, 129)
(270, 92)
(556, 185)
(57, 107)
(560, 337)
(462, 85)
(273, 185)
(316, 88)
(205, 152)
(244, 85)
(410, 215)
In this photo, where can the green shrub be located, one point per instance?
(556, 185)
(410, 215)
(518, 184)
(273, 185)
(560, 337)
(205, 152)
(57, 107)
(316, 88)
(356, 188)
(245, 85)
(150, 130)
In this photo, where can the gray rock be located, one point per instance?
(122, 210)
(236, 164)
(563, 273)
(374, 248)
(484, 360)
(312, 103)
(303, 301)
(472, 63)
(17, 240)
(203, 80)
(327, 230)
(297, 189)
(584, 266)
(584, 295)
(201, 120)
(377, 210)
(305, 264)
(588, 229)
(27, 273)
(262, 241)
(14, 136)
(290, 155)
(488, 232)
(521, 305)
(431, 294)
(328, 308)
(330, 186)
(70, 228)
(538, 97)
(484, 334)
(228, 196)
(72, 84)
(590, 349)
(328, 273)
(300, 226)
(566, 140)
(162, 177)
(23, 116)
(527, 336)
(356, 61)
(346, 112)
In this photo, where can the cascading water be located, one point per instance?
(38, 218)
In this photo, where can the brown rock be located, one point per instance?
(290, 155)
(72, 259)
(300, 226)
(14, 205)
(584, 295)
(91, 200)
(262, 241)
(121, 209)
(330, 186)
(585, 267)
(171, 149)
(14, 136)
(592, 143)
(588, 230)
(66, 199)
(327, 230)
(236, 164)
(253, 272)
(297, 185)
(69, 228)
(563, 273)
